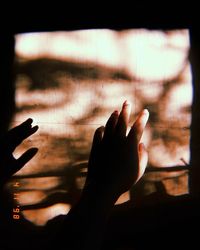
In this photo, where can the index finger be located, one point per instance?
(19, 133)
(123, 119)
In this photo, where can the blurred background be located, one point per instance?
(70, 82)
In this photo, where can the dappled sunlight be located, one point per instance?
(24, 97)
(152, 57)
(179, 99)
(53, 107)
(100, 46)
(70, 83)
(171, 154)
(41, 216)
(30, 197)
(149, 55)
(39, 183)
(176, 187)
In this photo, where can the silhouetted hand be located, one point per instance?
(14, 137)
(118, 160)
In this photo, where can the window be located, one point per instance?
(70, 82)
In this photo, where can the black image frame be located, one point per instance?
(179, 215)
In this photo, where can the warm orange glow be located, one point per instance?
(70, 82)
(100, 46)
(41, 216)
(152, 56)
(31, 197)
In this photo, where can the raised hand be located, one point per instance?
(9, 165)
(118, 159)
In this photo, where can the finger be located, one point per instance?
(139, 126)
(24, 158)
(111, 124)
(98, 135)
(25, 124)
(143, 159)
(122, 124)
(20, 133)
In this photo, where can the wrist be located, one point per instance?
(102, 193)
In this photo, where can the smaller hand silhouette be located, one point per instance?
(9, 165)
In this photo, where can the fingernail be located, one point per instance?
(145, 115)
(145, 111)
(116, 112)
(126, 103)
